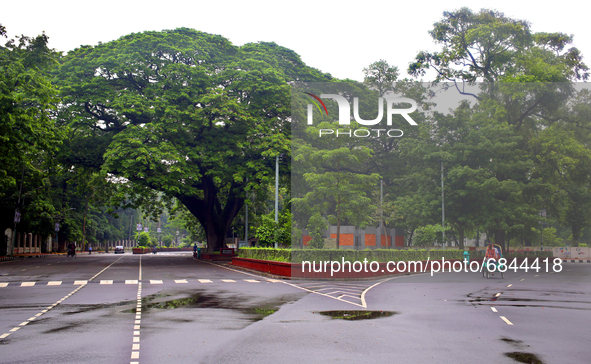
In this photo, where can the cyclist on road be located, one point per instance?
(491, 253)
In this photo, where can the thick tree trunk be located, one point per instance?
(410, 237)
(213, 217)
(461, 233)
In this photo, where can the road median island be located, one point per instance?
(340, 264)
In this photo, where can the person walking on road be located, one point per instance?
(195, 250)
(89, 250)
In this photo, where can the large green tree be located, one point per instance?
(185, 113)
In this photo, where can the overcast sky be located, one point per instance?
(337, 37)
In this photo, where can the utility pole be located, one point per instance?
(379, 239)
(17, 214)
(280, 156)
(442, 208)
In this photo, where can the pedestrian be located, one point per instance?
(89, 250)
(195, 250)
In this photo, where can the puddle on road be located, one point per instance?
(528, 358)
(518, 356)
(518, 344)
(59, 329)
(507, 301)
(87, 308)
(255, 312)
(357, 315)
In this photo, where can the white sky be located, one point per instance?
(337, 37)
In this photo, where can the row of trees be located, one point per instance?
(184, 121)
(511, 139)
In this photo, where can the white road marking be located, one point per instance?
(507, 321)
(135, 347)
(274, 280)
(522, 279)
(3, 284)
(494, 309)
(136, 339)
(205, 281)
(27, 284)
(536, 275)
(4, 335)
(131, 281)
(228, 280)
(497, 295)
(106, 281)
(78, 283)
(180, 281)
(23, 323)
(509, 285)
(135, 354)
(252, 281)
(13, 330)
(54, 283)
(154, 281)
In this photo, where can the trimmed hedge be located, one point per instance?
(277, 255)
(380, 255)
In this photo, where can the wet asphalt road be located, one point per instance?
(169, 308)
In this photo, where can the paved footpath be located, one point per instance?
(170, 308)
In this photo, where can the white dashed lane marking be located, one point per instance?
(494, 309)
(507, 321)
(151, 281)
